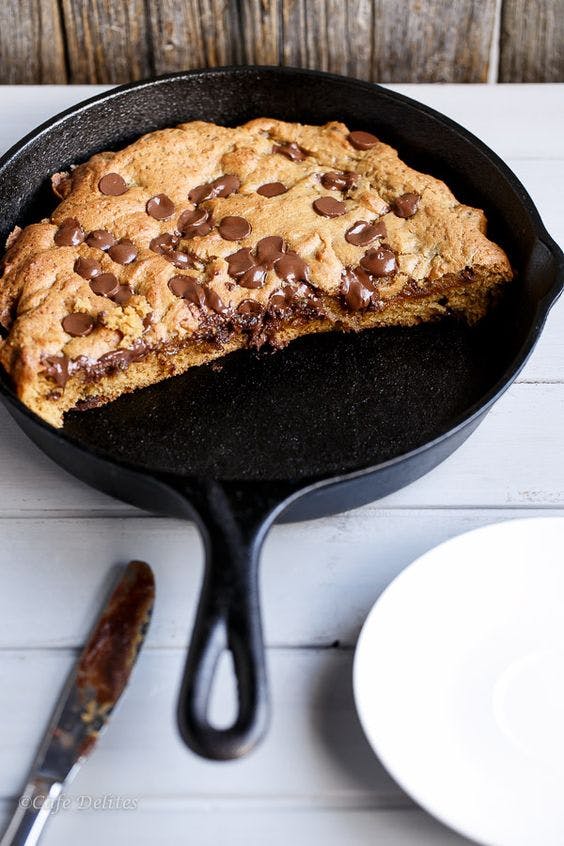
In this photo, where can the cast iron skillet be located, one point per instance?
(326, 425)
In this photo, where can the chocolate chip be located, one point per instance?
(339, 181)
(100, 239)
(69, 233)
(179, 259)
(164, 243)
(88, 268)
(124, 252)
(221, 187)
(292, 268)
(362, 233)
(380, 261)
(78, 324)
(291, 151)
(188, 288)
(328, 207)
(278, 301)
(272, 189)
(160, 207)
(253, 278)
(356, 288)
(122, 295)
(234, 228)
(363, 140)
(239, 262)
(214, 301)
(105, 285)
(268, 250)
(201, 193)
(287, 296)
(406, 205)
(194, 222)
(112, 184)
(57, 368)
(191, 217)
(250, 307)
(226, 185)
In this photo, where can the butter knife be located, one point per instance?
(89, 696)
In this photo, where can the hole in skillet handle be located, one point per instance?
(234, 519)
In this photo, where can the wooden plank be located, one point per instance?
(532, 41)
(162, 821)
(106, 41)
(359, 38)
(31, 42)
(435, 41)
(194, 34)
(318, 595)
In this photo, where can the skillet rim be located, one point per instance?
(307, 484)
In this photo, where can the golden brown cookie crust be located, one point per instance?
(440, 258)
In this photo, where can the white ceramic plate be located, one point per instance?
(459, 682)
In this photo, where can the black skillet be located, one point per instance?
(328, 424)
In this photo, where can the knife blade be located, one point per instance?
(87, 700)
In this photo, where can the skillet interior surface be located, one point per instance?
(327, 404)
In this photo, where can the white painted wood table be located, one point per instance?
(314, 780)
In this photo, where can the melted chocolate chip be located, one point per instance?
(57, 369)
(88, 268)
(238, 263)
(122, 295)
(78, 324)
(214, 301)
(268, 250)
(356, 288)
(221, 187)
(234, 228)
(164, 243)
(226, 185)
(123, 252)
(121, 359)
(292, 268)
(105, 285)
(272, 189)
(255, 277)
(292, 151)
(179, 259)
(100, 239)
(188, 288)
(112, 184)
(160, 207)
(363, 233)
(329, 207)
(406, 205)
(250, 307)
(339, 181)
(201, 193)
(69, 233)
(288, 296)
(362, 140)
(380, 261)
(194, 222)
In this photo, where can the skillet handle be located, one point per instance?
(228, 616)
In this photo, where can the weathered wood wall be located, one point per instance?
(88, 41)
